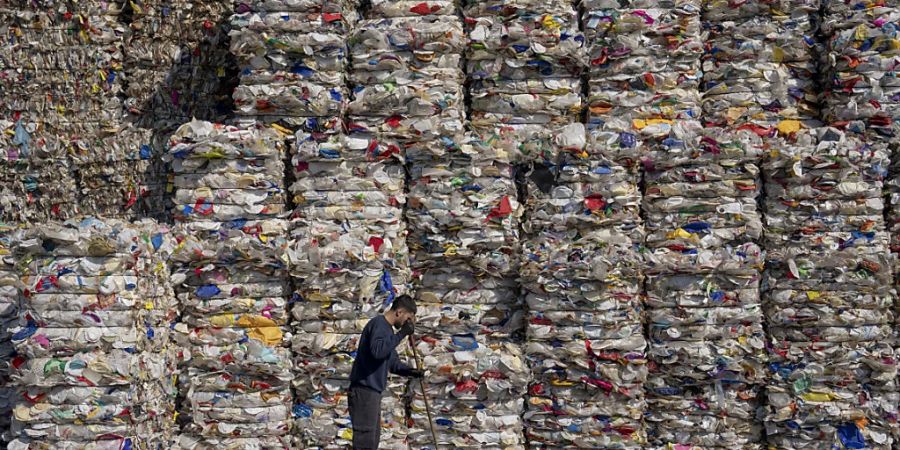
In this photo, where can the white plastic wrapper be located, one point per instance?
(92, 342)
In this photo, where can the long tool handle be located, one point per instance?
(412, 343)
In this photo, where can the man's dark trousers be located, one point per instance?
(365, 413)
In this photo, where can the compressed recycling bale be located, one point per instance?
(464, 374)
(706, 339)
(856, 90)
(321, 411)
(176, 62)
(643, 74)
(828, 302)
(93, 344)
(760, 65)
(230, 273)
(523, 62)
(10, 288)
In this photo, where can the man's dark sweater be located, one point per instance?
(376, 356)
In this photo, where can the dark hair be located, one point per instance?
(405, 303)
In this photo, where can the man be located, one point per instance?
(375, 357)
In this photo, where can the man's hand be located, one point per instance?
(407, 329)
(416, 373)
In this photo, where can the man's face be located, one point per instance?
(405, 315)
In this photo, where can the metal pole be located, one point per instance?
(412, 343)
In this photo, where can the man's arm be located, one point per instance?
(397, 367)
(383, 341)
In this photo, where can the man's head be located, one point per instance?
(403, 309)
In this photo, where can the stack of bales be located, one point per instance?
(829, 299)
(464, 217)
(405, 84)
(176, 62)
(176, 67)
(860, 82)
(699, 216)
(230, 274)
(94, 367)
(707, 345)
(293, 62)
(581, 271)
(60, 75)
(348, 261)
(523, 63)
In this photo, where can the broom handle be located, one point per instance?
(415, 352)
